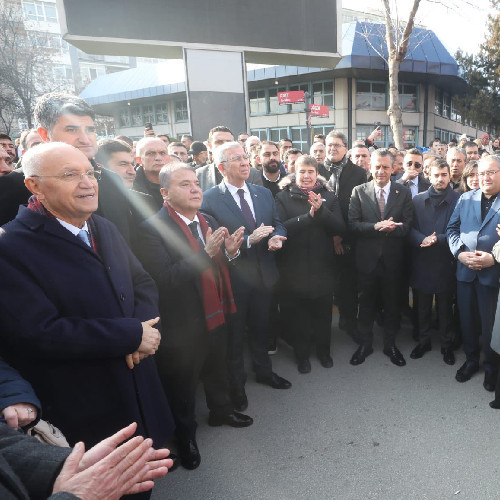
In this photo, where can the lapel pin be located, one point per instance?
(397, 192)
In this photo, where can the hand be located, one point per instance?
(233, 242)
(214, 240)
(483, 260)
(19, 415)
(409, 175)
(315, 200)
(429, 240)
(110, 473)
(275, 243)
(337, 245)
(377, 132)
(387, 225)
(260, 233)
(134, 359)
(150, 337)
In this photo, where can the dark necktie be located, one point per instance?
(245, 208)
(193, 226)
(84, 236)
(381, 202)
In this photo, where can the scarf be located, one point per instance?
(336, 169)
(216, 291)
(35, 205)
(306, 190)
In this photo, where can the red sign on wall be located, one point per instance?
(319, 110)
(290, 97)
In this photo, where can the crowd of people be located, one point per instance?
(131, 270)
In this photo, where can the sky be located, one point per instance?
(459, 24)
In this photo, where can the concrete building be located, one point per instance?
(356, 92)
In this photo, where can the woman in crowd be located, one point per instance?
(470, 179)
(311, 215)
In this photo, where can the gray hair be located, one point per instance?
(383, 152)
(338, 135)
(50, 107)
(142, 143)
(484, 159)
(452, 151)
(34, 158)
(220, 152)
(167, 171)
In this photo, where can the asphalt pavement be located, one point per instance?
(373, 431)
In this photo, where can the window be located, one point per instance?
(322, 129)
(322, 93)
(258, 104)
(438, 103)
(261, 133)
(363, 131)
(136, 116)
(410, 136)
(299, 106)
(276, 134)
(274, 107)
(63, 72)
(161, 112)
(370, 95)
(148, 114)
(35, 10)
(408, 97)
(125, 117)
(299, 138)
(446, 106)
(181, 111)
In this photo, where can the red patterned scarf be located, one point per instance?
(216, 288)
(35, 205)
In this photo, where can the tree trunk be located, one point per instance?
(394, 110)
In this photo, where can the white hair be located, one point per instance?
(33, 159)
(142, 143)
(220, 152)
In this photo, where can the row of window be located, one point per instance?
(410, 136)
(137, 116)
(444, 106)
(35, 10)
(375, 96)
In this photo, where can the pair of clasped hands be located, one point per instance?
(478, 260)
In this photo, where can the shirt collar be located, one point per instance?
(186, 220)
(267, 178)
(73, 229)
(234, 190)
(386, 189)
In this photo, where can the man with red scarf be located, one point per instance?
(181, 249)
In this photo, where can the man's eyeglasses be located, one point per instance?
(91, 174)
(416, 163)
(489, 173)
(336, 146)
(237, 158)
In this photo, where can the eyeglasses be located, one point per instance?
(416, 163)
(489, 173)
(336, 146)
(237, 158)
(92, 175)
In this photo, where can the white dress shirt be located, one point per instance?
(234, 193)
(386, 189)
(73, 229)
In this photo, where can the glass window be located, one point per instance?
(323, 129)
(408, 97)
(136, 115)
(258, 104)
(274, 107)
(276, 134)
(50, 13)
(261, 133)
(446, 105)
(299, 138)
(125, 117)
(438, 103)
(35, 10)
(149, 114)
(299, 106)
(181, 111)
(370, 95)
(322, 93)
(161, 110)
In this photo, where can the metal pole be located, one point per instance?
(307, 101)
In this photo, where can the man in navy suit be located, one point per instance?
(77, 310)
(471, 235)
(234, 203)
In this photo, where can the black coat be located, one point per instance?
(143, 185)
(306, 262)
(68, 317)
(433, 268)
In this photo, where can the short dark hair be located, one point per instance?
(190, 137)
(107, 147)
(439, 163)
(293, 151)
(219, 128)
(258, 147)
(285, 139)
(3, 135)
(307, 160)
(414, 151)
(177, 143)
(383, 152)
(50, 107)
(470, 144)
(436, 139)
(125, 138)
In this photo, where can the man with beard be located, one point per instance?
(433, 266)
(268, 155)
(343, 176)
(7, 144)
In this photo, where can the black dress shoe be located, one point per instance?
(304, 365)
(395, 356)
(466, 371)
(274, 381)
(495, 404)
(239, 399)
(234, 419)
(189, 454)
(448, 356)
(360, 355)
(490, 380)
(325, 360)
(420, 350)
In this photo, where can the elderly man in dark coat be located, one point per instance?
(77, 310)
(433, 265)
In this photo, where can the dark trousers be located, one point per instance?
(182, 367)
(444, 308)
(346, 290)
(469, 296)
(253, 305)
(379, 287)
(310, 323)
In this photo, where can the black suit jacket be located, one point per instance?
(372, 245)
(176, 269)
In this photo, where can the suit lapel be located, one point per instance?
(228, 199)
(391, 200)
(372, 196)
(257, 208)
(476, 206)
